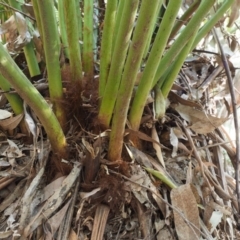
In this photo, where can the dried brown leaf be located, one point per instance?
(100, 221)
(72, 235)
(11, 123)
(54, 201)
(201, 122)
(55, 221)
(157, 146)
(184, 201)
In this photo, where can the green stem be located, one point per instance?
(95, 30)
(184, 18)
(153, 27)
(73, 42)
(119, 15)
(28, 48)
(212, 22)
(33, 98)
(14, 100)
(31, 59)
(88, 39)
(153, 63)
(51, 44)
(37, 16)
(62, 27)
(131, 68)
(184, 37)
(79, 20)
(176, 66)
(106, 44)
(118, 60)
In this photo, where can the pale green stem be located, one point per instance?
(51, 43)
(153, 63)
(73, 41)
(118, 60)
(212, 21)
(119, 15)
(147, 49)
(184, 18)
(33, 98)
(29, 47)
(182, 40)
(62, 27)
(95, 30)
(176, 66)
(79, 19)
(87, 54)
(106, 44)
(131, 68)
(31, 59)
(37, 16)
(14, 100)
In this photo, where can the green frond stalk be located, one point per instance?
(79, 20)
(212, 21)
(15, 102)
(51, 43)
(184, 18)
(176, 66)
(156, 21)
(33, 98)
(29, 48)
(37, 16)
(131, 68)
(106, 44)
(31, 59)
(95, 30)
(73, 41)
(62, 27)
(87, 54)
(119, 15)
(153, 63)
(117, 63)
(184, 37)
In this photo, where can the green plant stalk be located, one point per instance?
(33, 98)
(184, 18)
(79, 20)
(87, 53)
(73, 41)
(149, 72)
(212, 22)
(95, 30)
(181, 41)
(117, 64)
(51, 43)
(37, 16)
(162, 176)
(31, 59)
(152, 30)
(176, 66)
(62, 27)
(14, 100)
(29, 48)
(119, 15)
(106, 44)
(131, 68)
